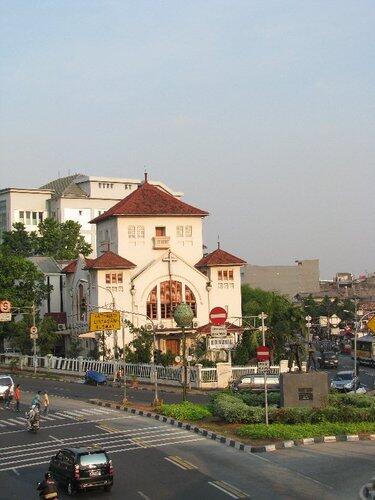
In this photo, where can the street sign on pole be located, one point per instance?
(334, 320)
(218, 316)
(221, 343)
(263, 353)
(5, 317)
(323, 320)
(33, 330)
(5, 306)
(34, 336)
(218, 331)
(103, 321)
(263, 366)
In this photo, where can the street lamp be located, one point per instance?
(183, 316)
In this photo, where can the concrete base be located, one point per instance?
(308, 390)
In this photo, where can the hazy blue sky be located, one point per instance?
(262, 112)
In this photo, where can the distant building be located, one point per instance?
(286, 280)
(29, 206)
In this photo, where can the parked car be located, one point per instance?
(11, 350)
(5, 380)
(345, 381)
(80, 469)
(255, 382)
(95, 378)
(328, 359)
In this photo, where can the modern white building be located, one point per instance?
(150, 258)
(29, 206)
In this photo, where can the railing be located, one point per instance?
(199, 377)
(208, 375)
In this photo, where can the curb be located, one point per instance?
(231, 442)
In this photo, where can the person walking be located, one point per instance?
(17, 396)
(36, 399)
(45, 403)
(7, 397)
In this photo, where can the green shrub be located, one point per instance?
(185, 411)
(356, 400)
(299, 431)
(254, 399)
(232, 409)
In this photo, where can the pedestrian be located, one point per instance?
(7, 396)
(45, 403)
(17, 396)
(37, 399)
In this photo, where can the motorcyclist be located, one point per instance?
(48, 489)
(32, 417)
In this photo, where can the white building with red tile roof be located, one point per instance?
(150, 258)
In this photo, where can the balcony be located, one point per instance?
(161, 242)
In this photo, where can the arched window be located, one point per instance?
(170, 297)
(152, 304)
(190, 299)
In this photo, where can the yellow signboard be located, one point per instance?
(371, 324)
(100, 321)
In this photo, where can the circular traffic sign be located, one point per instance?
(33, 330)
(5, 306)
(218, 316)
(189, 358)
(177, 359)
(263, 353)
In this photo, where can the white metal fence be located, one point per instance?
(198, 376)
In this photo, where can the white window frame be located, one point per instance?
(188, 231)
(131, 232)
(180, 231)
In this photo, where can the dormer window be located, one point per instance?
(160, 231)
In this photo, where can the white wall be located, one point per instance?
(140, 250)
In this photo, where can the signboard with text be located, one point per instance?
(218, 331)
(221, 343)
(103, 321)
(5, 317)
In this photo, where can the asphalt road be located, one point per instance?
(156, 461)
(80, 391)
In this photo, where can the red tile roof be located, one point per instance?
(72, 266)
(110, 260)
(220, 258)
(231, 328)
(150, 200)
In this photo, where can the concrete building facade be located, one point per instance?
(303, 277)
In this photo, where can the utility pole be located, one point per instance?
(125, 399)
(262, 316)
(34, 337)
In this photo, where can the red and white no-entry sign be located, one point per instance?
(218, 316)
(263, 353)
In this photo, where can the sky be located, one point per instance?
(261, 112)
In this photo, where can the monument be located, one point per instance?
(300, 389)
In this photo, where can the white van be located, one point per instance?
(5, 380)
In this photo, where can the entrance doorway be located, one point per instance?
(173, 345)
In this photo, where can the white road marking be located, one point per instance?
(16, 472)
(55, 438)
(73, 423)
(7, 422)
(141, 494)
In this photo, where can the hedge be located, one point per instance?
(356, 400)
(254, 399)
(232, 409)
(185, 411)
(299, 431)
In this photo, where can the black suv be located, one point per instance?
(82, 468)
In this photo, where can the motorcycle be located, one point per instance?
(47, 496)
(33, 420)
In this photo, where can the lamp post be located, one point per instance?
(183, 316)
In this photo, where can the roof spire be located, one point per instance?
(218, 241)
(146, 175)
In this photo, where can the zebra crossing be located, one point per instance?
(39, 453)
(10, 420)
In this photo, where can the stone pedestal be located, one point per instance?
(309, 390)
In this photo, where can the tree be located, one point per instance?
(284, 321)
(18, 241)
(19, 334)
(60, 240)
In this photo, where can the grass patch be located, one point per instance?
(299, 431)
(185, 411)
